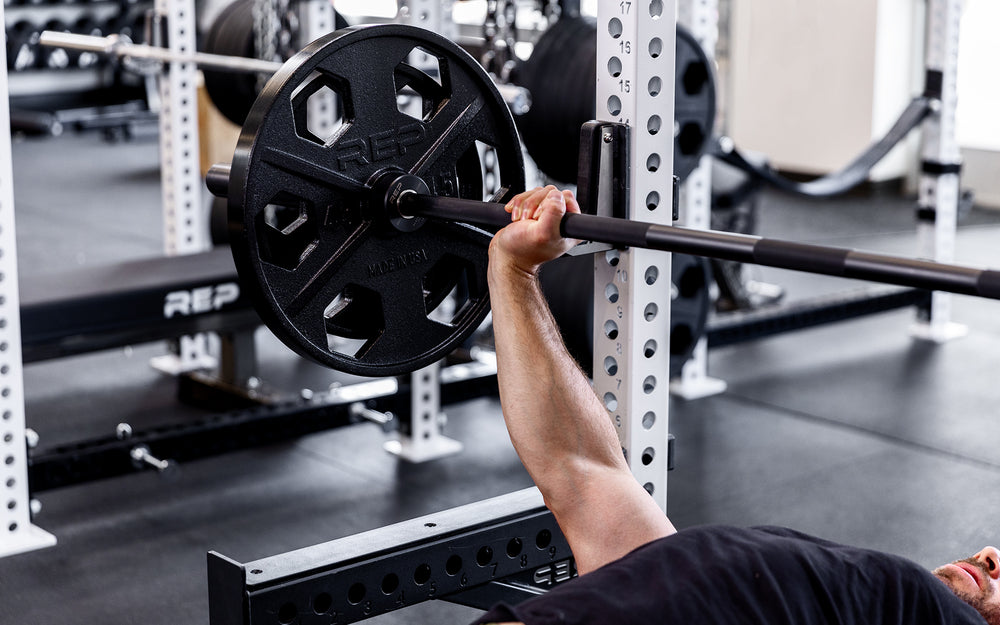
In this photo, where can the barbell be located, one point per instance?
(365, 249)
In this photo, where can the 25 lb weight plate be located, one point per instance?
(329, 274)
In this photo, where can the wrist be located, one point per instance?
(506, 270)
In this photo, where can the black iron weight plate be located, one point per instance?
(328, 275)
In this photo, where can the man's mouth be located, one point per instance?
(972, 571)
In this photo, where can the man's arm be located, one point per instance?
(559, 427)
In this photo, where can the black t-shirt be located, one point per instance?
(767, 576)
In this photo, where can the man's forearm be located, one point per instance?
(554, 418)
(560, 428)
(562, 432)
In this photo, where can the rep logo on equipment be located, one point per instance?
(200, 300)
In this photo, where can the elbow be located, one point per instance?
(578, 483)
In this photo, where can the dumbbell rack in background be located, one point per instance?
(42, 79)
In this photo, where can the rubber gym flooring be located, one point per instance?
(852, 431)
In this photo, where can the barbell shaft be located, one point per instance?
(833, 261)
(517, 98)
(113, 45)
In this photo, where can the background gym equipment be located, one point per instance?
(360, 236)
(232, 34)
(560, 75)
(841, 181)
(115, 46)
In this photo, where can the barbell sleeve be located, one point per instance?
(820, 259)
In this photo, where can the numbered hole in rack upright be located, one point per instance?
(650, 311)
(655, 47)
(649, 384)
(614, 106)
(648, 420)
(610, 365)
(654, 86)
(649, 349)
(613, 257)
(389, 584)
(356, 593)
(656, 9)
(652, 273)
(611, 329)
(653, 124)
(647, 456)
(652, 200)
(615, 27)
(615, 67)
(543, 539)
(653, 162)
(611, 292)
(514, 547)
(610, 401)
(422, 574)
(484, 556)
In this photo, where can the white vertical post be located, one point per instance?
(941, 159)
(635, 60)
(701, 17)
(186, 229)
(426, 440)
(317, 18)
(185, 224)
(434, 15)
(17, 534)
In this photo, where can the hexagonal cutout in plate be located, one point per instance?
(421, 83)
(353, 320)
(478, 171)
(447, 289)
(287, 230)
(694, 77)
(322, 108)
(690, 138)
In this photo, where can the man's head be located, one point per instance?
(976, 581)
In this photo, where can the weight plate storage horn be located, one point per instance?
(331, 274)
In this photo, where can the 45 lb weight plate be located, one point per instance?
(329, 274)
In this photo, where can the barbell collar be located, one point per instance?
(217, 179)
(833, 261)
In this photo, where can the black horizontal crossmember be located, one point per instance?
(440, 556)
(832, 261)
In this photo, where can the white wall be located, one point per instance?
(814, 82)
(978, 116)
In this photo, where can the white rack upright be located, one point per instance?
(17, 533)
(635, 86)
